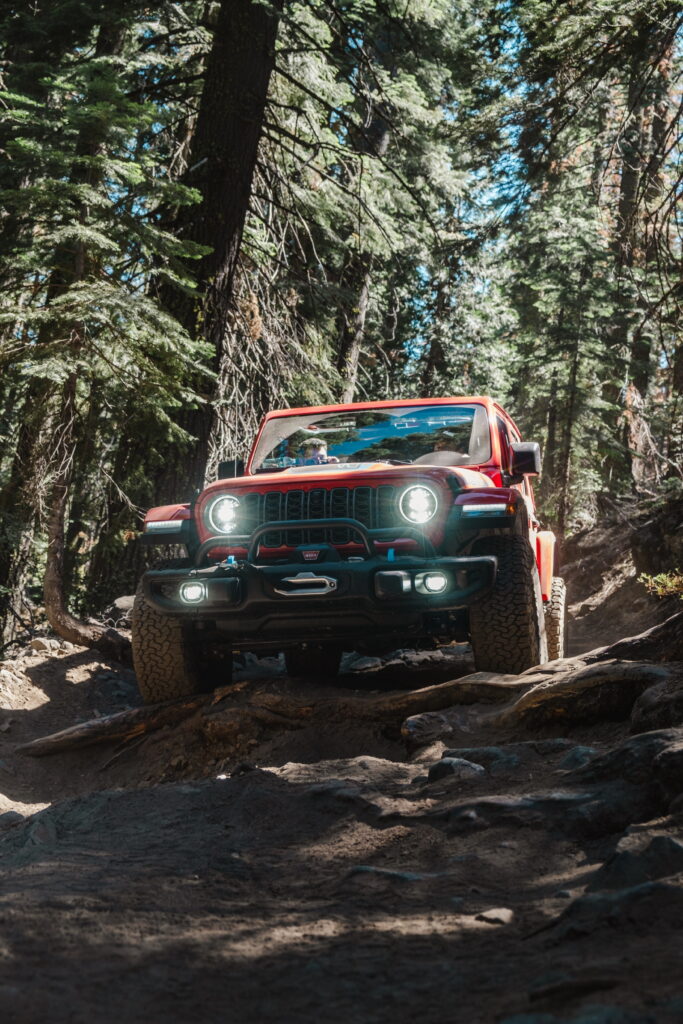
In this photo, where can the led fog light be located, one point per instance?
(431, 582)
(435, 582)
(192, 593)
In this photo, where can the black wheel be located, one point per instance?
(311, 661)
(556, 620)
(507, 626)
(168, 660)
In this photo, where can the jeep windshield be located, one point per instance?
(445, 435)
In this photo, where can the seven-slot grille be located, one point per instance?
(372, 506)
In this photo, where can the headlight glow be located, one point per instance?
(192, 593)
(418, 504)
(222, 513)
(435, 582)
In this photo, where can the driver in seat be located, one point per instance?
(314, 453)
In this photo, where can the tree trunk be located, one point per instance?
(63, 623)
(356, 280)
(564, 459)
(221, 166)
(643, 151)
(353, 326)
(74, 264)
(436, 363)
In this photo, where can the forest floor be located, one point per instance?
(329, 872)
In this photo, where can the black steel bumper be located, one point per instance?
(316, 594)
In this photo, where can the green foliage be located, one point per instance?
(664, 584)
(483, 195)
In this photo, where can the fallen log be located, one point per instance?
(122, 726)
(243, 710)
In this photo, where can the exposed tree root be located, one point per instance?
(661, 643)
(242, 712)
(593, 693)
(600, 685)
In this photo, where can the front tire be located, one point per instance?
(169, 662)
(507, 626)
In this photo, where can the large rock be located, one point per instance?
(631, 761)
(119, 611)
(668, 768)
(498, 760)
(455, 768)
(661, 857)
(660, 706)
(641, 908)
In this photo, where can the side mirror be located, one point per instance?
(231, 468)
(525, 460)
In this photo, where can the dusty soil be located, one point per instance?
(325, 875)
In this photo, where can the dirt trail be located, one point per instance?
(524, 878)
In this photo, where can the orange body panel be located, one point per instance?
(545, 558)
(164, 513)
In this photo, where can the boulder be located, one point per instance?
(661, 705)
(43, 644)
(661, 857)
(497, 760)
(119, 611)
(455, 768)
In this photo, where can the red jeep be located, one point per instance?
(355, 527)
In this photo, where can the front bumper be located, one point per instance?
(316, 595)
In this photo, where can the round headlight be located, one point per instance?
(418, 504)
(222, 514)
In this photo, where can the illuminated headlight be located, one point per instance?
(431, 582)
(192, 593)
(418, 504)
(222, 514)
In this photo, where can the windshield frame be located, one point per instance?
(260, 451)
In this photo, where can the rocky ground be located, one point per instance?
(518, 861)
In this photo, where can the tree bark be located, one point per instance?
(643, 151)
(21, 498)
(353, 325)
(221, 167)
(358, 275)
(564, 460)
(71, 266)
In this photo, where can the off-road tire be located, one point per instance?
(507, 625)
(168, 661)
(312, 662)
(556, 620)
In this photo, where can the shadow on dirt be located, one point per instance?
(290, 902)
